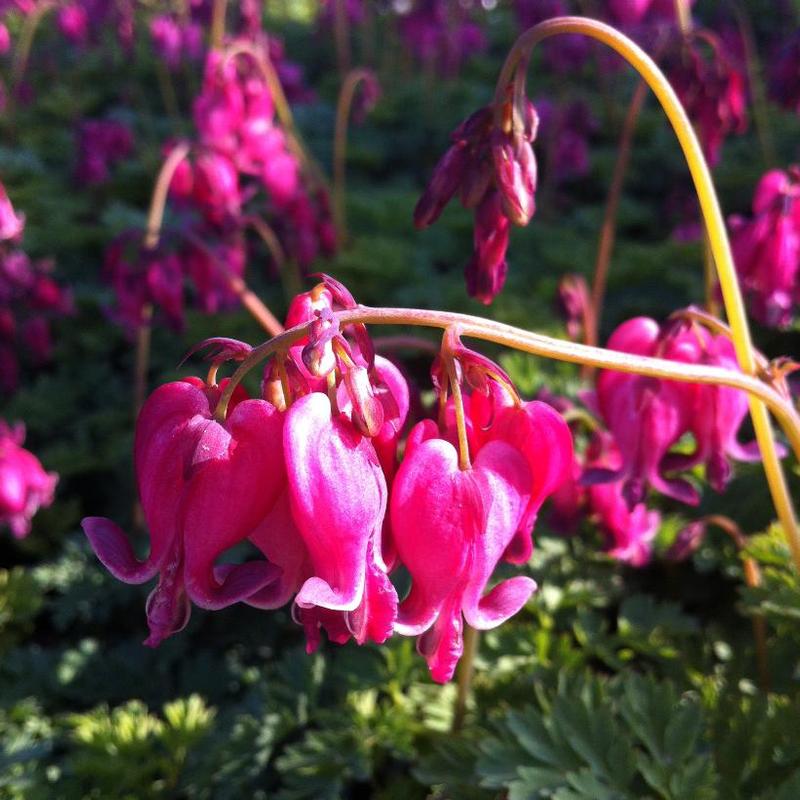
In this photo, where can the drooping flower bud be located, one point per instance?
(487, 270)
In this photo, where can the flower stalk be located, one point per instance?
(343, 106)
(540, 345)
(514, 71)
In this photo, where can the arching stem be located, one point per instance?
(218, 11)
(158, 201)
(343, 106)
(513, 69)
(540, 345)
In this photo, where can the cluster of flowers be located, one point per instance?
(177, 40)
(101, 144)
(441, 35)
(309, 473)
(491, 165)
(24, 485)
(711, 86)
(766, 248)
(242, 148)
(241, 153)
(646, 418)
(29, 299)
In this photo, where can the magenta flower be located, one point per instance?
(101, 144)
(204, 486)
(73, 22)
(451, 528)
(534, 429)
(440, 35)
(24, 485)
(29, 301)
(216, 187)
(338, 498)
(573, 304)
(165, 33)
(11, 223)
(716, 416)
(142, 277)
(5, 39)
(711, 87)
(785, 74)
(648, 416)
(767, 248)
(629, 531)
(487, 269)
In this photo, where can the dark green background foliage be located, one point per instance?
(611, 683)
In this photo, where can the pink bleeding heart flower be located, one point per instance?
(767, 248)
(646, 416)
(165, 34)
(73, 22)
(542, 436)
(711, 87)
(25, 487)
(717, 415)
(5, 39)
(216, 187)
(338, 500)
(204, 486)
(451, 528)
(629, 531)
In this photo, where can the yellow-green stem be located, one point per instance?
(709, 279)
(464, 462)
(343, 106)
(715, 226)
